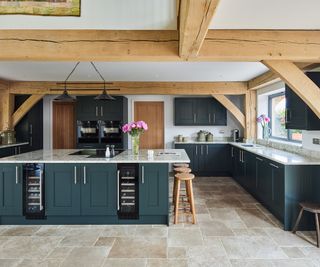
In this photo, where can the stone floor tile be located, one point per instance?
(184, 237)
(206, 252)
(80, 237)
(286, 238)
(59, 253)
(223, 202)
(293, 252)
(254, 218)
(41, 263)
(86, 257)
(294, 263)
(203, 262)
(215, 228)
(139, 247)
(119, 231)
(177, 252)
(149, 231)
(167, 263)
(252, 263)
(311, 252)
(105, 241)
(49, 230)
(125, 263)
(9, 262)
(249, 232)
(20, 231)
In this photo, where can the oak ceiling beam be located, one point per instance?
(195, 18)
(232, 108)
(106, 45)
(250, 131)
(270, 77)
(132, 88)
(25, 108)
(6, 109)
(300, 83)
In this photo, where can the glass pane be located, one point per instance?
(278, 105)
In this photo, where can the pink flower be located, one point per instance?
(125, 128)
(133, 125)
(267, 119)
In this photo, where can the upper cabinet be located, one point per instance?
(89, 109)
(298, 114)
(199, 111)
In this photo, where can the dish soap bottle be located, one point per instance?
(107, 152)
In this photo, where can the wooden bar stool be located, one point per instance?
(313, 208)
(178, 170)
(187, 177)
(183, 165)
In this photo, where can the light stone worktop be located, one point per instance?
(13, 145)
(62, 156)
(205, 143)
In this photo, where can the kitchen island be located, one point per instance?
(84, 189)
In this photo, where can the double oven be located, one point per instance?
(98, 134)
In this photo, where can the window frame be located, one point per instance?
(289, 131)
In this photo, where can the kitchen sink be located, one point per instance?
(94, 153)
(251, 145)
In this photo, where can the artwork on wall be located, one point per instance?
(40, 7)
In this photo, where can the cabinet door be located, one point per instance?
(250, 182)
(62, 189)
(277, 189)
(87, 108)
(218, 113)
(111, 110)
(7, 152)
(190, 150)
(98, 189)
(202, 111)
(216, 158)
(11, 189)
(184, 111)
(264, 182)
(153, 189)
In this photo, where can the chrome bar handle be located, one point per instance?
(97, 111)
(15, 151)
(40, 189)
(201, 150)
(196, 150)
(194, 117)
(142, 175)
(240, 156)
(31, 129)
(118, 189)
(75, 175)
(17, 174)
(101, 111)
(19, 150)
(232, 152)
(209, 117)
(84, 175)
(275, 166)
(207, 150)
(259, 159)
(214, 117)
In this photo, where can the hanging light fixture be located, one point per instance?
(104, 96)
(65, 97)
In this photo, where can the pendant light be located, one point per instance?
(65, 97)
(104, 96)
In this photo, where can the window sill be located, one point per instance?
(277, 141)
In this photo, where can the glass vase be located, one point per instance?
(265, 132)
(135, 144)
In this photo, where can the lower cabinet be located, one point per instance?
(11, 189)
(153, 189)
(81, 189)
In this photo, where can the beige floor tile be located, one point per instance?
(149, 231)
(29, 247)
(41, 263)
(177, 252)
(203, 262)
(139, 247)
(9, 262)
(249, 232)
(215, 228)
(167, 263)
(80, 237)
(105, 241)
(254, 218)
(86, 257)
(311, 252)
(293, 252)
(119, 231)
(125, 263)
(294, 263)
(256, 247)
(206, 252)
(223, 202)
(286, 238)
(184, 237)
(251, 263)
(60, 253)
(52, 231)
(21, 231)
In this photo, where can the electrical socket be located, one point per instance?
(316, 141)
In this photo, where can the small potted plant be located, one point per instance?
(135, 129)
(264, 122)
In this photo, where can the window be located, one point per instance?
(277, 110)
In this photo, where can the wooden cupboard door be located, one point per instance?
(11, 189)
(64, 125)
(153, 114)
(62, 189)
(98, 189)
(154, 189)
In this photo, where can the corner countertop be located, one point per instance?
(197, 142)
(13, 145)
(62, 156)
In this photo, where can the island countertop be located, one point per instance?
(63, 156)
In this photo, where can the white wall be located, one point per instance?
(104, 14)
(171, 131)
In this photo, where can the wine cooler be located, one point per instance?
(128, 186)
(33, 191)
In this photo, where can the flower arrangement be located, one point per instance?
(264, 121)
(135, 128)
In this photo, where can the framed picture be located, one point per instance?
(41, 7)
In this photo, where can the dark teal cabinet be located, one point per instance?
(62, 189)
(298, 114)
(264, 182)
(98, 189)
(153, 189)
(11, 189)
(87, 108)
(81, 189)
(199, 111)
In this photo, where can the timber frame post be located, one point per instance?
(250, 131)
(7, 106)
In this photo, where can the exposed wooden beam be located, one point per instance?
(195, 18)
(134, 88)
(257, 45)
(24, 108)
(300, 83)
(250, 131)
(233, 109)
(7, 105)
(270, 77)
(102, 45)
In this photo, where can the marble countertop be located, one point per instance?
(197, 142)
(280, 156)
(62, 156)
(13, 145)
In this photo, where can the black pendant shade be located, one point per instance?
(104, 96)
(65, 97)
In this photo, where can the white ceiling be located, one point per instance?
(132, 71)
(162, 14)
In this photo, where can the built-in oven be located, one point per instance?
(110, 133)
(87, 132)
